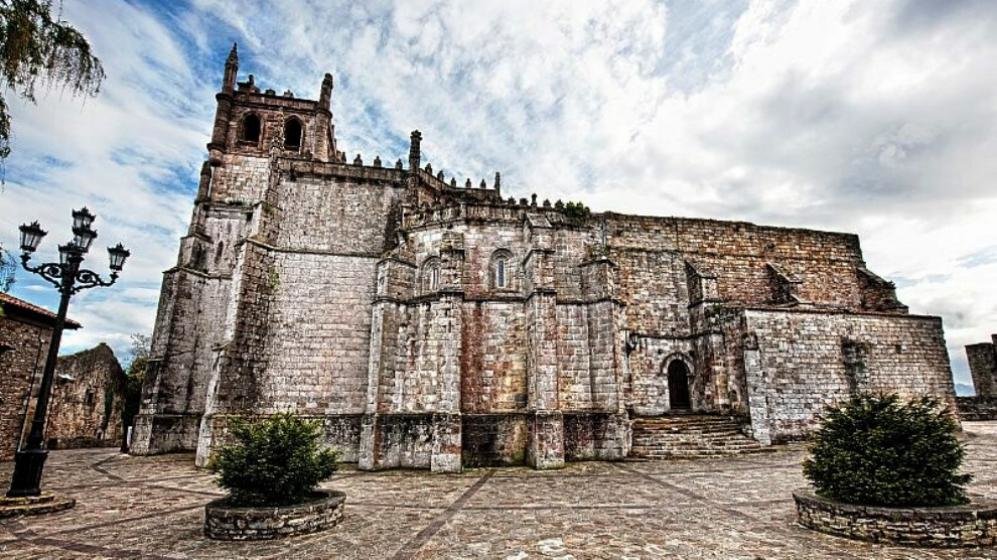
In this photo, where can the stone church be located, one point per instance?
(434, 323)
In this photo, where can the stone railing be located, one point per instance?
(970, 525)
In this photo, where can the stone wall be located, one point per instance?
(87, 400)
(23, 346)
(225, 522)
(983, 367)
(797, 363)
(975, 409)
(970, 525)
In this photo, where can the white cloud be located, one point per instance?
(875, 118)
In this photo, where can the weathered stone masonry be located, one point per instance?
(87, 400)
(25, 332)
(435, 325)
(982, 359)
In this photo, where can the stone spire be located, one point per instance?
(414, 151)
(231, 69)
(325, 98)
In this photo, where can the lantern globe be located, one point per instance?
(82, 218)
(83, 237)
(65, 251)
(118, 254)
(31, 236)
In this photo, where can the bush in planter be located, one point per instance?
(880, 450)
(274, 461)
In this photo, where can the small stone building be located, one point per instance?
(87, 400)
(431, 322)
(982, 359)
(25, 332)
(983, 367)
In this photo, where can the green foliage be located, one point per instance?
(273, 280)
(274, 461)
(35, 44)
(577, 211)
(135, 377)
(880, 450)
(8, 269)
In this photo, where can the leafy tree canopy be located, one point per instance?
(35, 44)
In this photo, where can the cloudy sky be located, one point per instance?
(873, 117)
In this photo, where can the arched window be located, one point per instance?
(251, 128)
(292, 134)
(431, 275)
(501, 273)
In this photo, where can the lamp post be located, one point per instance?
(68, 278)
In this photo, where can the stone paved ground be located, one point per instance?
(152, 507)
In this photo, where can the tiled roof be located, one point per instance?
(9, 303)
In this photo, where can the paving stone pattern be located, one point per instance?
(731, 508)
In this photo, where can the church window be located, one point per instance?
(431, 275)
(500, 270)
(251, 128)
(292, 134)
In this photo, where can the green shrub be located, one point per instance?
(274, 461)
(879, 450)
(577, 211)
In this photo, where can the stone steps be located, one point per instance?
(33, 505)
(691, 436)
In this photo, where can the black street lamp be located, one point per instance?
(67, 276)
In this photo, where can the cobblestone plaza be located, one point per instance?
(740, 507)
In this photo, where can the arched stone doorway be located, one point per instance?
(678, 386)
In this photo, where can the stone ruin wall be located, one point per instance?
(87, 400)
(982, 359)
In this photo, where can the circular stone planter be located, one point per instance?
(226, 522)
(973, 524)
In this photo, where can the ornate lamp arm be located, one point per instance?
(86, 279)
(49, 271)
